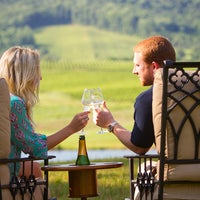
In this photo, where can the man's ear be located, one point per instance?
(155, 65)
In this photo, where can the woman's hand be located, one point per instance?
(79, 121)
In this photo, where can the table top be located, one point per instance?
(73, 167)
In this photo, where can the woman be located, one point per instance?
(21, 69)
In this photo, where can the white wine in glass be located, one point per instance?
(86, 99)
(86, 102)
(97, 101)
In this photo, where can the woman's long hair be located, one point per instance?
(20, 67)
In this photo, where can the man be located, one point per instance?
(148, 57)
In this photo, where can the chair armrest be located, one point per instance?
(142, 173)
(21, 185)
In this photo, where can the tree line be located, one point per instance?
(177, 20)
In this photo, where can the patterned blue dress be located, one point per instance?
(23, 137)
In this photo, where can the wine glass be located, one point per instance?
(97, 103)
(86, 99)
(86, 102)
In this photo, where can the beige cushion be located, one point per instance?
(173, 192)
(186, 144)
(4, 134)
(4, 119)
(177, 192)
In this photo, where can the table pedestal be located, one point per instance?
(82, 184)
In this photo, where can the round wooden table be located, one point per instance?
(82, 179)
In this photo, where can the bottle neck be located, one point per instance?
(82, 147)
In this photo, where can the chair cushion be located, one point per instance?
(4, 134)
(4, 119)
(178, 192)
(175, 172)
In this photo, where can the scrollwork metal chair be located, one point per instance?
(176, 118)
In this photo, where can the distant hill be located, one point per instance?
(76, 43)
(177, 20)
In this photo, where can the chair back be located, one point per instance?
(4, 136)
(176, 117)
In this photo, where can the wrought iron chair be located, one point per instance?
(176, 117)
(24, 187)
(16, 187)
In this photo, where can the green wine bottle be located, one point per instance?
(82, 158)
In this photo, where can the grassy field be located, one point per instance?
(65, 78)
(76, 43)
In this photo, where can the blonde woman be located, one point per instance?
(21, 69)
